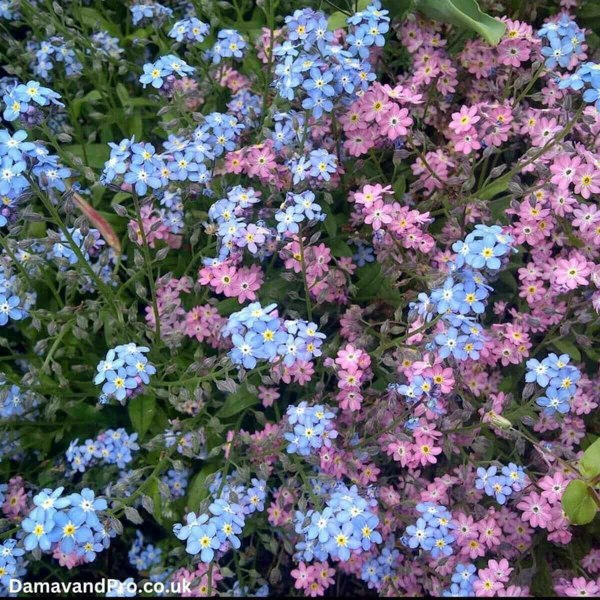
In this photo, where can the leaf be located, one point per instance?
(236, 403)
(568, 347)
(330, 222)
(578, 504)
(398, 8)
(99, 222)
(141, 412)
(133, 515)
(340, 248)
(465, 14)
(97, 154)
(93, 19)
(590, 461)
(337, 20)
(399, 187)
(197, 490)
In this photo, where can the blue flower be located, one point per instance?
(118, 382)
(537, 371)
(87, 504)
(69, 530)
(203, 540)
(38, 529)
(554, 401)
(9, 309)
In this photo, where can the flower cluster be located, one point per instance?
(124, 372)
(70, 525)
(21, 100)
(218, 530)
(148, 10)
(501, 485)
(229, 44)
(559, 380)
(111, 447)
(163, 70)
(356, 252)
(432, 531)
(258, 333)
(564, 38)
(345, 526)
(313, 429)
(143, 556)
(189, 30)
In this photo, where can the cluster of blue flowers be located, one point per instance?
(378, 569)
(319, 165)
(258, 334)
(106, 45)
(419, 389)
(587, 76)
(12, 565)
(559, 380)
(52, 52)
(312, 65)
(138, 163)
(501, 485)
(143, 556)
(232, 226)
(124, 372)
(18, 159)
(189, 30)
(177, 481)
(463, 579)
(149, 11)
(220, 528)
(313, 428)
(9, 10)
(432, 531)
(15, 402)
(564, 39)
(229, 44)
(347, 524)
(14, 304)
(112, 447)
(164, 69)
(246, 106)
(95, 252)
(20, 101)
(73, 523)
(235, 231)
(463, 296)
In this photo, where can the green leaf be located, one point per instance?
(399, 187)
(590, 461)
(97, 154)
(340, 248)
(465, 14)
(141, 412)
(337, 20)
(398, 8)
(92, 18)
(568, 347)
(123, 94)
(578, 504)
(153, 491)
(236, 403)
(330, 223)
(198, 490)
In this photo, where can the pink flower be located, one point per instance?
(580, 587)
(536, 510)
(587, 180)
(571, 273)
(463, 121)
